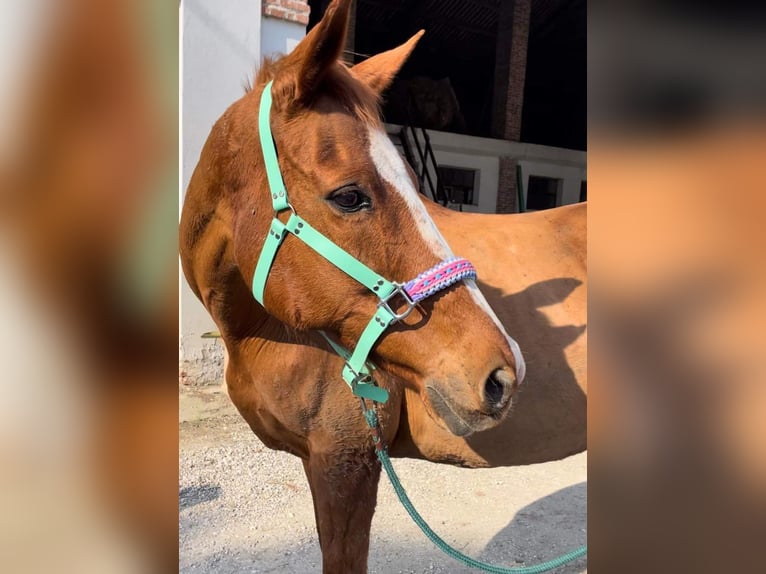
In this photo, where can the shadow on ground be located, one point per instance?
(540, 531)
(545, 529)
(193, 495)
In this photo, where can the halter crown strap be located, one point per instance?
(273, 173)
(357, 371)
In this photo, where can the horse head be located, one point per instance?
(344, 176)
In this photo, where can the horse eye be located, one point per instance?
(350, 200)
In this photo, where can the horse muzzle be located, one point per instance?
(495, 401)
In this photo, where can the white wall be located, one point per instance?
(483, 154)
(279, 37)
(221, 46)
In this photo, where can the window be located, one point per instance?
(543, 192)
(459, 184)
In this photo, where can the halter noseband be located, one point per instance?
(357, 371)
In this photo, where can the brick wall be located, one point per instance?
(510, 69)
(507, 196)
(510, 73)
(290, 10)
(518, 70)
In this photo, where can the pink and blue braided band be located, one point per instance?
(440, 277)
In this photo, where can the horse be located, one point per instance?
(450, 371)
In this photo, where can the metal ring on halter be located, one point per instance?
(289, 206)
(407, 300)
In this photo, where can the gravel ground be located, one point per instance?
(245, 508)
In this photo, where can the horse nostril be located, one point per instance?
(494, 388)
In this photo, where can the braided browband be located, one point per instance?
(440, 277)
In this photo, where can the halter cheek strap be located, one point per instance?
(357, 371)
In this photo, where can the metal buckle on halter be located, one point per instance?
(358, 377)
(364, 386)
(407, 301)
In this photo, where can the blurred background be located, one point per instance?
(89, 286)
(89, 283)
(677, 408)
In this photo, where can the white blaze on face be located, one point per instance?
(391, 168)
(481, 301)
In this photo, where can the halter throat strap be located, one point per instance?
(357, 371)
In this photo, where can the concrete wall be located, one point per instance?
(221, 46)
(280, 36)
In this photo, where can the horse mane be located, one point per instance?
(338, 83)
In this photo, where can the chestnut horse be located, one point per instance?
(449, 367)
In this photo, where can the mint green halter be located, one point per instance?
(357, 371)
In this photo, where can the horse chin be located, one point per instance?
(456, 419)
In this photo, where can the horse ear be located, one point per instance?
(316, 53)
(378, 71)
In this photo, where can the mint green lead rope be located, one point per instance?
(372, 420)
